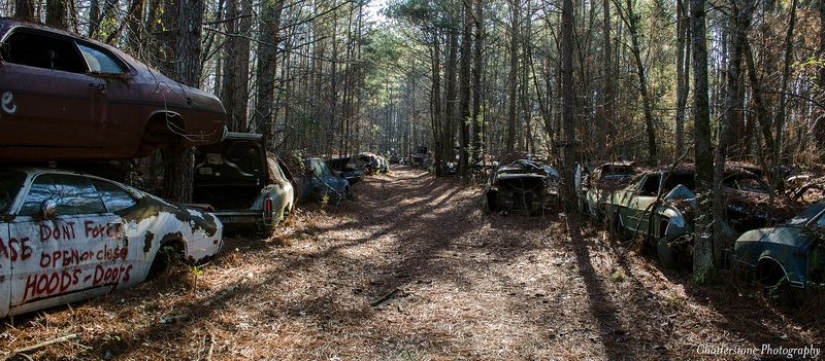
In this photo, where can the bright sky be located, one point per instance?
(374, 9)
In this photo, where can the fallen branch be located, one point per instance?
(384, 298)
(211, 347)
(69, 337)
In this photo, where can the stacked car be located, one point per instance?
(67, 235)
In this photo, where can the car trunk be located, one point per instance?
(223, 197)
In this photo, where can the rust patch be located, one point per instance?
(147, 244)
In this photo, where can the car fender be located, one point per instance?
(793, 270)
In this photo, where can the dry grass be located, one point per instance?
(458, 284)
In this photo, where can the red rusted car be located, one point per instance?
(64, 96)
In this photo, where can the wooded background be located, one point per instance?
(337, 77)
(569, 81)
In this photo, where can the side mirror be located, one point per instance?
(48, 208)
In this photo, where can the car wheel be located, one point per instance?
(775, 283)
(616, 226)
(675, 254)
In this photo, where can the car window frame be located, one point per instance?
(31, 187)
(70, 40)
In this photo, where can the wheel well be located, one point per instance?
(169, 251)
(769, 272)
(164, 128)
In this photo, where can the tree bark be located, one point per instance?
(269, 38)
(568, 115)
(466, 60)
(179, 161)
(703, 267)
(512, 78)
(24, 10)
(477, 134)
(682, 73)
(56, 13)
(631, 19)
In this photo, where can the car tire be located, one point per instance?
(675, 258)
(166, 255)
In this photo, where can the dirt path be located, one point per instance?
(411, 269)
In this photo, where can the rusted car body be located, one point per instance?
(791, 254)
(347, 168)
(661, 206)
(67, 236)
(319, 183)
(600, 182)
(522, 187)
(246, 187)
(66, 97)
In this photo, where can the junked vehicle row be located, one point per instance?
(782, 244)
(74, 103)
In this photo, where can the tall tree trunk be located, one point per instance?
(269, 38)
(568, 115)
(760, 106)
(24, 9)
(464, 76)
(512, 78)
(56, 13)
(451, 94)
(682, 73)
(179, 161)
(819, 123)
(478, 134)
(779, 122)
(631, 19)
(235, 89)
(605, 125)
(703, 266)
(732, 110)
(94, 18)
(436, 116)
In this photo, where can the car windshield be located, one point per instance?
(10, 184)
(809, 214)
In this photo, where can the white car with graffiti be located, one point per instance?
(67, 236)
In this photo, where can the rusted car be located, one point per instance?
(67, 97)
(318, 182)
(789, 255)
(347, 168)
(522, 187)
(67, 236)
(597, 184)
(660, 206)
(246, 187)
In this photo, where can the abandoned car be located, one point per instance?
(792, 253)
(597, 184)
(66, 97)
(347, 168)
(660, 206)
(243, 185)
(522, 187)
(319, 183)
(67, 236)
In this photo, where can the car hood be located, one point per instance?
(791, 236)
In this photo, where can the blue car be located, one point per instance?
(790, 254)
(318, 182)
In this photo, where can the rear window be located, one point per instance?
(42, 50)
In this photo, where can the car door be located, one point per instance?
(5, 269)
(11, 249)
(47, 96)
(644, 202)
(74, 241)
